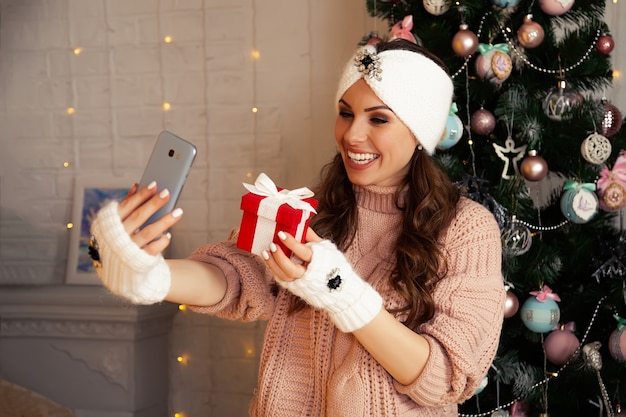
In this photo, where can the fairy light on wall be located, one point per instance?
(255, 55)
(73, 159)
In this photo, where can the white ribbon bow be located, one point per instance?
(264, 186)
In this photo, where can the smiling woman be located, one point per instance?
(397, 273)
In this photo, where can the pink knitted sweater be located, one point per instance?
(309, 368)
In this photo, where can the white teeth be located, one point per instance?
(362, 158)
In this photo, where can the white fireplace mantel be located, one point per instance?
(86, 349)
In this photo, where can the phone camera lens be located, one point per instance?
(171, 153)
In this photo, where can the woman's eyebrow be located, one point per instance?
(381, 107)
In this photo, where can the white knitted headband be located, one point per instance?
(413, 86)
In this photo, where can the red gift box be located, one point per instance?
(268, 210)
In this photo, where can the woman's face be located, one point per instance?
(375, 145)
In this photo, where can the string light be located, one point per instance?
(166, 106)
(71, 110)
(66, 164)
(182, 307)
(255, 54)
(167, 39)
(70, 225)
(255, 110)
(77, 51)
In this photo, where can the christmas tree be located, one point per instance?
(532, 137)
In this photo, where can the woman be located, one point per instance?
(394, 305)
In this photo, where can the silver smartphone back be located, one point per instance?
(169, 165)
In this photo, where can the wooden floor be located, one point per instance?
(16, 401)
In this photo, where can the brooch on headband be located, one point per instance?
(368, 63)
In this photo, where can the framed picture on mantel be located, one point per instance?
(89, 195)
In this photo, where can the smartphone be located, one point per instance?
(169, 165)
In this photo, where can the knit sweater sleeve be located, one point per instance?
(249, 283)
(464, 333)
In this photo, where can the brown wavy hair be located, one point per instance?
(428, 208)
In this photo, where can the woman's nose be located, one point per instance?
(357, 132)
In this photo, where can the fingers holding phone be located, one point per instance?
(140, 205)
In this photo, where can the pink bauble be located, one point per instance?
(494, 66)
(374, 39)
(482, 122)
(519, 409)
(617, 345)
(530, 34)
(534, 167)
(511, 305)
(560, 346)
(605, 44)
(464, 42)
(611, 120)
(556, 7)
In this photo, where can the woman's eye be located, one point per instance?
(345, 114)
(378, 120)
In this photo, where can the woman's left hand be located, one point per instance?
(283, 267)
(324, 279)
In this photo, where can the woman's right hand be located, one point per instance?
(137, 207)
(130, 260)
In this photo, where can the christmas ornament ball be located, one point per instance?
(464, 42)
(516, 239)
(560, 101)
(452, 134)
(482, 122)
(579, 205)
(494, 66)
(540, 317)
(436, 7)
(617, 345)
(596, 148)
(611, 119)
(374, 39)
(530, 34)
(556, 7)
(613, 197)
(511, 304)
(534, 167)
(560, 345)
(505, 3)
(605, 44)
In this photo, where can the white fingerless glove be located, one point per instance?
(331, 284)
(126, 269)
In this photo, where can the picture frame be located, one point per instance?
(89, 195)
